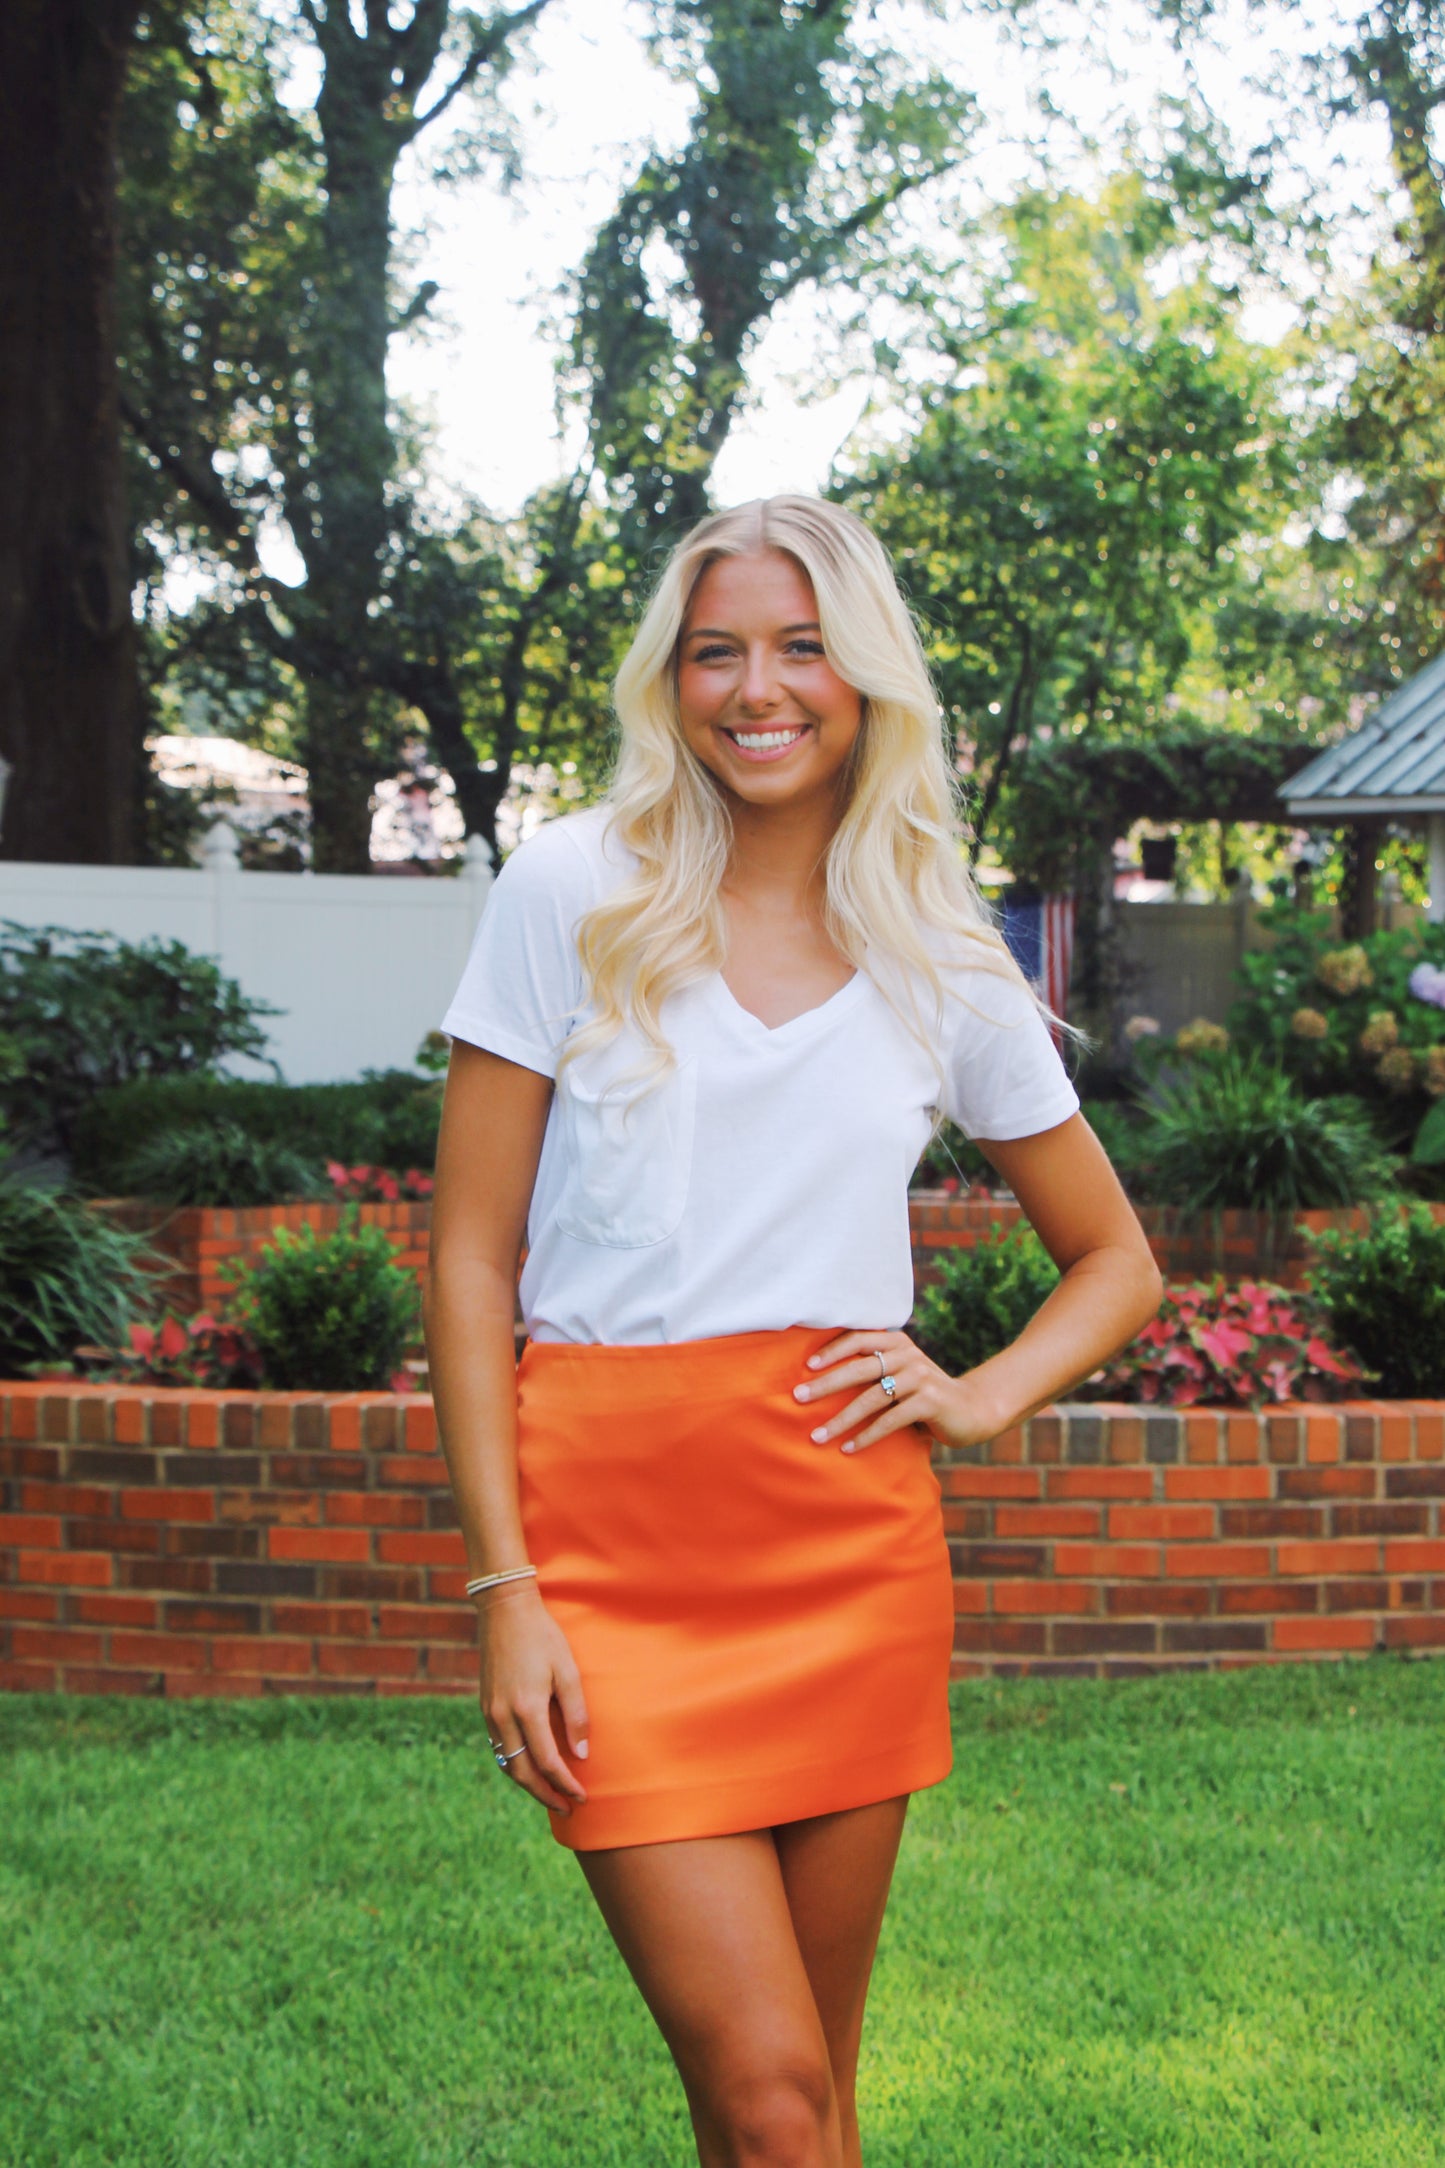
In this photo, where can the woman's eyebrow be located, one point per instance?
(714, 632)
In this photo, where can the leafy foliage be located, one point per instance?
(1384, 1293)
(1225, 1346)
(328, 1313)
(219, 1163)
(1238, 1131)
(86, 1012)
(199, 1351)
(389, 1118)
(68, 1277)
(983, 1297)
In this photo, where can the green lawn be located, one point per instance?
(1189, 1922)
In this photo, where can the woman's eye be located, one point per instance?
(712, 654)
(805, 647)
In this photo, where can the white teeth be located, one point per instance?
(762, 741)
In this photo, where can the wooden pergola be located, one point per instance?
(1391, 768)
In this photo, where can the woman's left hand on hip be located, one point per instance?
(867, 1364)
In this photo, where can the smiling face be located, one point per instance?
(759, 702)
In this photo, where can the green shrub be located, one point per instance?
(1384, 1292)
(1239, 1132)
(329, 1313)
(67, 1278)
(86, 1012)
(983, 1298)
(386, 1119)
(219, 1163)
(951, 1157)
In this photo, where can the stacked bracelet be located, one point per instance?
(494, 1580)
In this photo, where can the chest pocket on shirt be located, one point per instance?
(629, 1157)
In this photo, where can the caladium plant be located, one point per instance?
(1211, 1344)
(377, 1185)
(202, 1350)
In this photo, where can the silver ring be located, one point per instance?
(503, 1759)
(889, 1386)
(882, 1364)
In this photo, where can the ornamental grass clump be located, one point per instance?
(1383, 1291)
(1240, 1132)
(329, 1313)
(219, 1163)
(1232, 1347)
(68, 1278)
(983, 1297)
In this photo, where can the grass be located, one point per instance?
(1190, 1922)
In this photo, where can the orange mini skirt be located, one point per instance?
(763, 1625)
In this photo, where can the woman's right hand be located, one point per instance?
(526, 1666)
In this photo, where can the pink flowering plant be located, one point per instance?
(1245, 1346)
(202, 1350)
(377, 1185)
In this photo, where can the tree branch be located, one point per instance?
(498, 31)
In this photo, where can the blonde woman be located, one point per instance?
(699, 1045)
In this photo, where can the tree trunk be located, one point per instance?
(70, 708)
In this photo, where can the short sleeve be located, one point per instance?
(1003, 1077)
(522, 986)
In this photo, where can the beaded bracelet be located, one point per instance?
(494, 1580)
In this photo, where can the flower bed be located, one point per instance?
(183, 1543)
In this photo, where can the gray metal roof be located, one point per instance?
(1394, 763)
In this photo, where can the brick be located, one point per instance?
(971, 1482)
(1160, 1523)
(390, 1584)
(1405, 1554)
(1350, 1555)
(1125, 1439)
(352, 1621)
(209, 1615)
(985, 1561)
(166, 1419)
(64, 1498)
(1362, 1438)
(92, 1420)
(1429, 1430)
(1044, 1440)
(969, 1597)
(1107, 1483)
(110, 1534)
(1397, 1441)
(427, 1622)
(65, 1569)
(336, 1546)
(1324, 1438)
(202, 1421)
(117, 1610)
(1101, 1637)
(1341, 1482)
(1216, 1561)
(158, 1651)
(1212, 1637)
(1000, 1637)
(1320, 1635)
(1155, 1599)
(238, 1427)
(320, 1471)
(1042, 1599)
(263, 1508)
(265, 1580)
(440, 1547)
(214, 1541)
(451, 1667)
(1281, 1439)
(40, 1531)
(187, 1575)
(167, 1505)
(967, 1520)
(410, 1470)
(1415, 1482)
(1201, 1436)
(371, 1660)
(56, 1644)
(1108, 1561)
(373, 1509)
(1227, 1482)
(343, 1423)
(237, 1469)
(25, 1678)
(28, 1603)
(1085, 1444)
(265, 1653)
(1359, 1595)
(1243, 1439)
(1301, 1522)
(1043, 1521)
(1372, 1520)
(1260, 1598)
(1415, 1633)
(108, 1679)
(381, 1429)
(114, 1464)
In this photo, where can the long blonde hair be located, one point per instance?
(894, 865)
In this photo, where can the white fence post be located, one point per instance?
(221, 863)
(1435, 839)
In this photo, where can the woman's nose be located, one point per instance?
(759, 687)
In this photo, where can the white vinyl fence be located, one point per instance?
(361, 966)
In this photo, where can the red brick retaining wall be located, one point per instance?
(202, 1241)
(228, 1543)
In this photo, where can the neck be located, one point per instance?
(778, 851)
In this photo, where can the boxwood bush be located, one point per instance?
(1384, 1293)
(328, 1313)
(983, 1298)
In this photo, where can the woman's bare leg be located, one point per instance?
(706, 1932)
(753, 1954)
(836, 1870)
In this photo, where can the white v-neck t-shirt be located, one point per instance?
(764, 1182)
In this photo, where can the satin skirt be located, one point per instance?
(763, 1625)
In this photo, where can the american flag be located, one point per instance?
(1040, 933)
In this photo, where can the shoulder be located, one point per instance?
(573, 860)
(984, 989)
